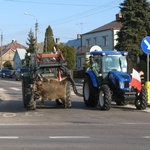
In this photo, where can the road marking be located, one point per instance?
(69, 137)
(9, 115)
(14, 82)
(9, 137)
(146, 137)
(3, 90)
(16, 89)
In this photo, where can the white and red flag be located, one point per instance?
(136, 80)
(59, 75)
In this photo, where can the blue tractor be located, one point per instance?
(108, 80)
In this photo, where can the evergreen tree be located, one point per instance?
(69, 54)
(31, 42)
(49, 40)
(135, 25)
(31, 46)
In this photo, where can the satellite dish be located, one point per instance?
(95, 48)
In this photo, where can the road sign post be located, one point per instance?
(145, 45)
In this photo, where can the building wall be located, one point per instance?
(17, 62)
(8, 56)
(104, 39)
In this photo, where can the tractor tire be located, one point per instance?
(23, 93)
(90, 93)
(68, 102)
(105, 97)
(27, 93)
(142, 99)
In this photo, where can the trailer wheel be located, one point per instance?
(68, 102)
(105, 98)
(90, 93)
(142, 99)
(27, 93)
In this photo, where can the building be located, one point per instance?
(8, 52)
(104, 36)
(19, 58)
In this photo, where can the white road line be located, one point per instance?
(16, 89)
(69, 137)
(3, 90)
(9, 137)
(146, 137)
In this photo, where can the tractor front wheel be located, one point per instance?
(27, 93)
(90, 93)
(141, 99)
(105, 98)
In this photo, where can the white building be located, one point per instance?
(19, 57)
(104, 36)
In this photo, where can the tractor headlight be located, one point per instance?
(121, 85)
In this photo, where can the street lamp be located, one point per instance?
(36, 25)
(1, 46)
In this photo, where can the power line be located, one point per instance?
(66, 4)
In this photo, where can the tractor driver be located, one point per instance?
(96, 66)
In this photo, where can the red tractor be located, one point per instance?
(48, 79)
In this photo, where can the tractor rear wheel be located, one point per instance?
(90, 93)
(141, 99)
(27, 93)
(105, 98)
(68, 102)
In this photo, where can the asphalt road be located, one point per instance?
(78, 128)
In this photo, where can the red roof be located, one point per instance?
(13, 45)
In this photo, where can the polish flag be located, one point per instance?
(136, 80)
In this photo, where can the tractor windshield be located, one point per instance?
(114, 63)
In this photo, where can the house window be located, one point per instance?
(105, 40)
(95, 41)
(88, 42)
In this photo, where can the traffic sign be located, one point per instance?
(145, 44)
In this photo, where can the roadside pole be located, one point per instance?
(145, 45)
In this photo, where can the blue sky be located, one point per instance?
(67, 18)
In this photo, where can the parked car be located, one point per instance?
(19, 73)
(5, 73)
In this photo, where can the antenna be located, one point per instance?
(81, 24)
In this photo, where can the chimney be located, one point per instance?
(13, 40)
(78, 36)
(58, 41)
(118, 16)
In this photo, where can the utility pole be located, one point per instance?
(36, 27)
(36, 30)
